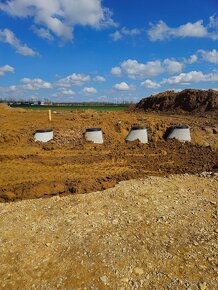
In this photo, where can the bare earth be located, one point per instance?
(69, 165)
(153, 233)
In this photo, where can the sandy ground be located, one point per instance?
(69, 165)
(152, 233)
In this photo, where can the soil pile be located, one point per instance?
(186, 101)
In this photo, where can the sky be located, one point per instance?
(106, 51)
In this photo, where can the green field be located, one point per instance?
(74, 107)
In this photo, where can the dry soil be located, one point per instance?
(153, 233)
(69, 164)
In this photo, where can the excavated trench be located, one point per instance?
(71, 165)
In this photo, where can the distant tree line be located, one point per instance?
(22, 102)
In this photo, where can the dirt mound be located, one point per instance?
(189, 101)
(4, 106)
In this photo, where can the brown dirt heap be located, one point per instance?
(189, 100)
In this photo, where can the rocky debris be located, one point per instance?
(188, 101)
(152, 233)
(69, 136)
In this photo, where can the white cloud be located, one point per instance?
(191, 77)
(122, 86)
(209, 56)
(26, 86)
(161, 30)
(42, 32)
(68, 92)
(213, 27)
(116, 71)
(189, 29)
(118, 34)
(90, 90)
(172, 66)
(74, 80)
(12, 88)
(103, 99)
(35, 84)
(99, 79)
(150, 84)
(134, 69)
(192, 59)
(130, 32)
(60, 16)
(9, 89)
(183, 79)
(6, 68)
(7, 36)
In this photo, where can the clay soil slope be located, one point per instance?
(70, 165)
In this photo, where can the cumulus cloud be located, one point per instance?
(123, 86)
(190, 77)
(60, 16)
(68, 92)
(130, 32)
(90, 90)
(7, 36)
(99, 79)
(6, 68)
(118, 34)
(172, 66)
(103, 98)
(150, 84)
(183, 79)
(161, 30)
(209, 56)
(192, 59)
(35, 84)
(203, 55)
(26, 85)
(116, 71)
(134, 69)
(74, 80)
(11, 91)
(42, 32)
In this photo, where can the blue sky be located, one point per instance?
(111, 50)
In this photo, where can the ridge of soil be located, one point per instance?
(186, 101)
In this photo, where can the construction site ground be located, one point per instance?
(75, 215)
